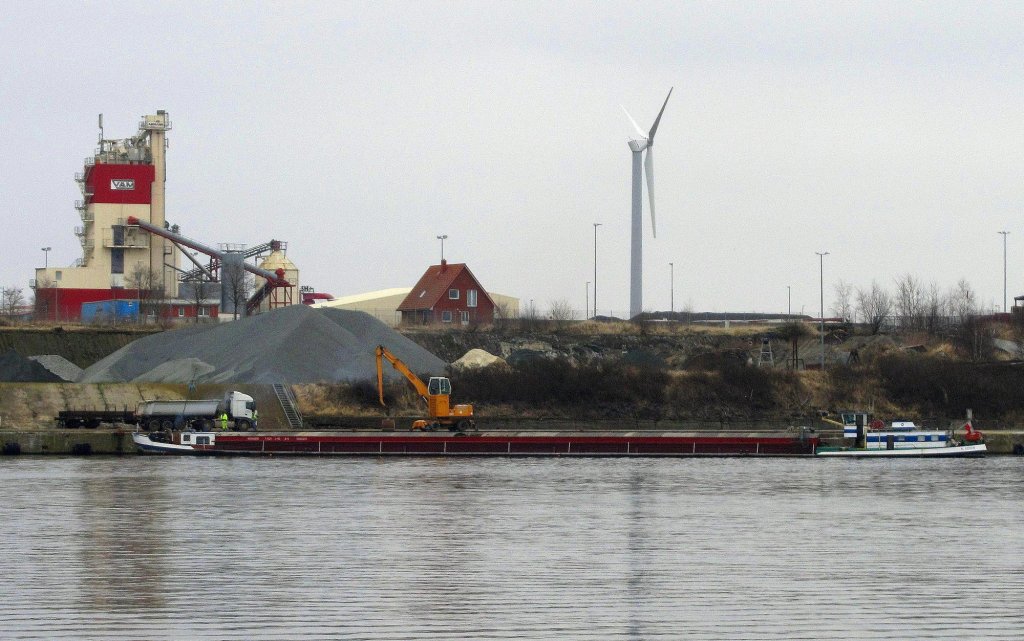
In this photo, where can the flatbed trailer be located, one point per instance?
(92, 419)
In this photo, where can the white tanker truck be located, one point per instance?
(170, 415)
(201, 415)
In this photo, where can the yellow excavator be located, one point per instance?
(437, 392)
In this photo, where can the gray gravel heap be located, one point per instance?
(296, 344)
(59, 366)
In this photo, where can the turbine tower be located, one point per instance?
(636, 253)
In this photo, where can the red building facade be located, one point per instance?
(448, 294)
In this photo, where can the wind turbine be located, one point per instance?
(636, 253)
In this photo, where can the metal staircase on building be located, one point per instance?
(287, 400)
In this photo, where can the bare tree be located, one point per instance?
(149, 285)
(199, 290)
(909, 302)
(42, 306)
(237, 284)
(687, 311)
(11, 300)
(561, 311)
(843, 305)
(873, 306)
(933, 308)
(963, 302)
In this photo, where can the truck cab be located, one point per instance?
(241, 408)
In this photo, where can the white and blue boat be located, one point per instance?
(902, 439)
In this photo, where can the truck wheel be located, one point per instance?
(207, 425)
(154, 425)
(167, 424)
(464, 425)
(243, 425)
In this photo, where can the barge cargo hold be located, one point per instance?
(621, 444)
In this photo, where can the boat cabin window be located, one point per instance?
(186, 438)
(202, 440)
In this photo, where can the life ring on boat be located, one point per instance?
(876, 424)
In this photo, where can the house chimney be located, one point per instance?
(444, 265)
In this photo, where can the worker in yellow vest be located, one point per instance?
(224, 421)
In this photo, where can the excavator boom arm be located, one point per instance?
(383, 353)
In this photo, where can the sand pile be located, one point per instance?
(477, 359)
(16, 368)
(60, 366)
(296, 344)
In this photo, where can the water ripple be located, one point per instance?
(140, 548)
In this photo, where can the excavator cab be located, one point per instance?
(439, 390)
(439, 385)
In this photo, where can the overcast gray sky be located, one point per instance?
(889, 134)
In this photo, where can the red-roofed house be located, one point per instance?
(447, 293)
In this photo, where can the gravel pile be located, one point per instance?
(15, 368)
(60, 366)
(295, 344)
(477, 359)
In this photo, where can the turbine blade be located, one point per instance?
(654, 128)
(638, 129)
(649, 170)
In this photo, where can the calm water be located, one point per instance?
(151, 548)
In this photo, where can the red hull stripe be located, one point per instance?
(517, 444)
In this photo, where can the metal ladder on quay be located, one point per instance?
(287, 401)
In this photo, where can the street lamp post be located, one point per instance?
(789, 302)
(596, 225)
(46, 257)
(441, 238)
(821, 260)
(1004, 233)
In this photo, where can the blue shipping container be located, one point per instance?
(104, 311)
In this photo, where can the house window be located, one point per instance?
(446, 316)
(453, 294)
(203, 311)
(181, 312)
(465, 318)
(470, 298)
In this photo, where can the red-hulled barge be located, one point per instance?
(511, 443)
